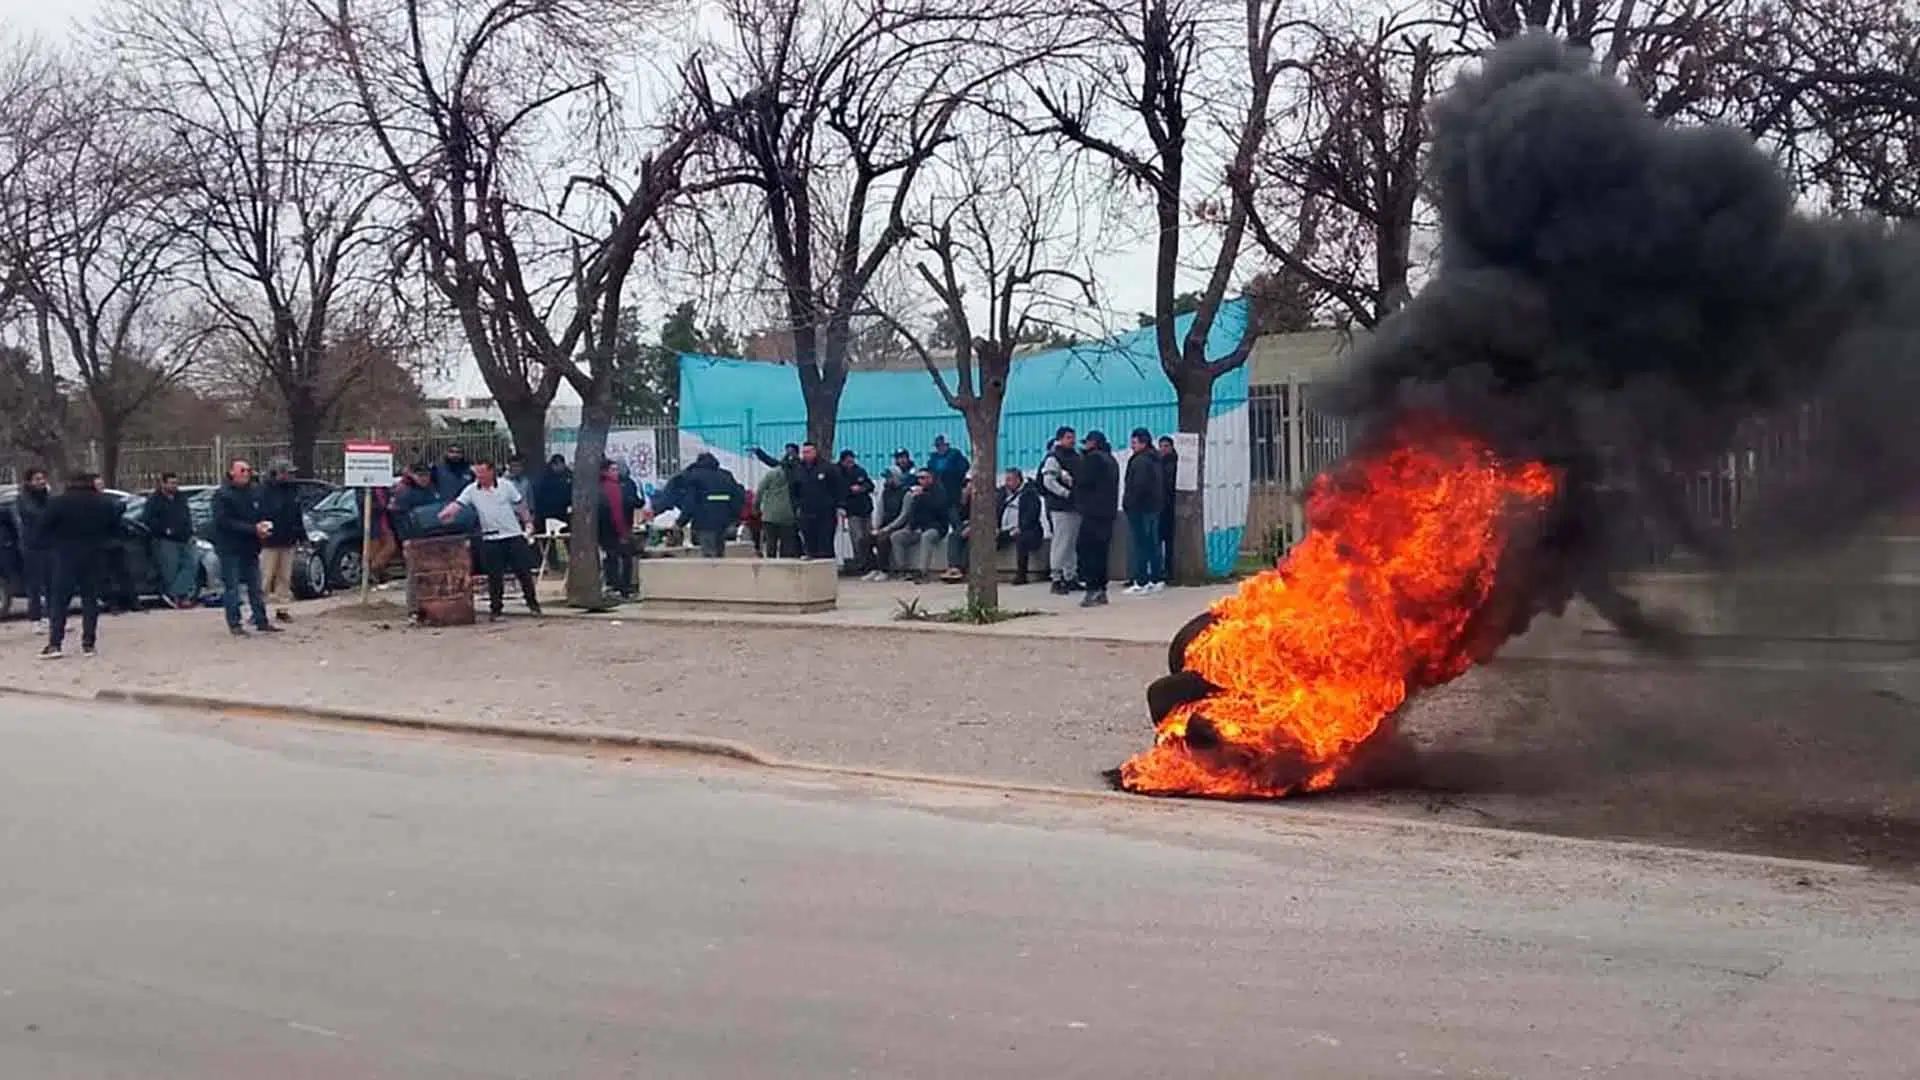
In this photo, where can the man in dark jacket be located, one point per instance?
(709, 500)
(1021, 511)
(35, 564)
(553, 493)
(169, 522)
(857, 501)
(1056, 488)
(1141, 498)
(815, 483)
(238, 529)
(286, 527)
(949, 468)
(614, 529)
(1096, 498)
(452, 475)
(1169, 470)
(81, 529)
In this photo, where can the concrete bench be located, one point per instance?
(773, 586)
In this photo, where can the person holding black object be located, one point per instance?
(80, 527)
(1096, 498)
(239, 527)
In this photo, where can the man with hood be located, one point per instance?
(1096, 498)
(779, 521)
(709, 500)
(452, 475)
(280, 509)
(28, 512)
(80, 528)
(1056, 490)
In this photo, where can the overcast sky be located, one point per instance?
(1126, 275)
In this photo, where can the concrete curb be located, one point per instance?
(584, 737)
(1300, 812)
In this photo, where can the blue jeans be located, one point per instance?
(1145, 560)
(179, 569)
(242, 569)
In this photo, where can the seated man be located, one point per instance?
(915, 534)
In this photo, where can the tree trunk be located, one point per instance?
(1195, 404)
(823, 411)
(527, 423)
(983, 522)
(113, 433)
(585, 586)
(303, 430)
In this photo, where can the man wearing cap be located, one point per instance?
(858, 489)
(949, 468)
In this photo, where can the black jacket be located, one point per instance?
(450, 479)
(280, 506)
(28, 511)
(894, 496)
(708, 497)
(816, 487)
(1032, 508)
(1169, 469)
(406, 501)
(552, 496)
(235, 512)
(1146, 485)
(1096, 485)
(1069, 460)
(857, 489)
(80, 522)
(931, 509)
(167, 517)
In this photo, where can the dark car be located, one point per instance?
(309, 568)
(335, 523)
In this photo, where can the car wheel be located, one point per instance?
(346, 566)
(310, 576)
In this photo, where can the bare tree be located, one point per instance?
(38, 117)
(1006, 258)
(464, 101)
(1142, 104)
(833, 113)
(280, 215)
(1335, 197)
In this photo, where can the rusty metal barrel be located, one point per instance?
(440, 580)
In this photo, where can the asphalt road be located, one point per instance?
(242, 901)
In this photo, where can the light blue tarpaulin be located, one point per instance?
(728, 405)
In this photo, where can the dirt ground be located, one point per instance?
(1813, 765)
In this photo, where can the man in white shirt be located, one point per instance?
(504, 524)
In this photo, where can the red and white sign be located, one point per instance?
(368, 464)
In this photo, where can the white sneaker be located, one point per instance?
(1134, 590)
(1157, 586)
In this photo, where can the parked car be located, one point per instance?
(335, 523)
(134, 575)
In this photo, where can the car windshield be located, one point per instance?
(344, 499)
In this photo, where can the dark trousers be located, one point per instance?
(36, 567)
(1023, 549)
(1166, 542)
(241, 570)
(780, 541)
(816, 535)
(76, 575)
(616, 567)
(713, 542)
(508, 555)
(1094, 548)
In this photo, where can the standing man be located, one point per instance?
(517, 476)
(280, 509)
(453, 474)
(857, 488)
(1169, 469)
(170, 523)
(553, 501)
(1096, 498)
(1056, 489)
(1020, 512)
(1140, 500)
(504, 524)
(709, 500)
(816, 501)
(238, 529)
(779, 520)
(614, 527)
(80, 528)
(949, 468)
(29, 510)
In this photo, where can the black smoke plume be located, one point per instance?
(1617, 296)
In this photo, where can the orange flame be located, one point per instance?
(1376, 603)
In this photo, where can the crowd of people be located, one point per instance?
(898, 527)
